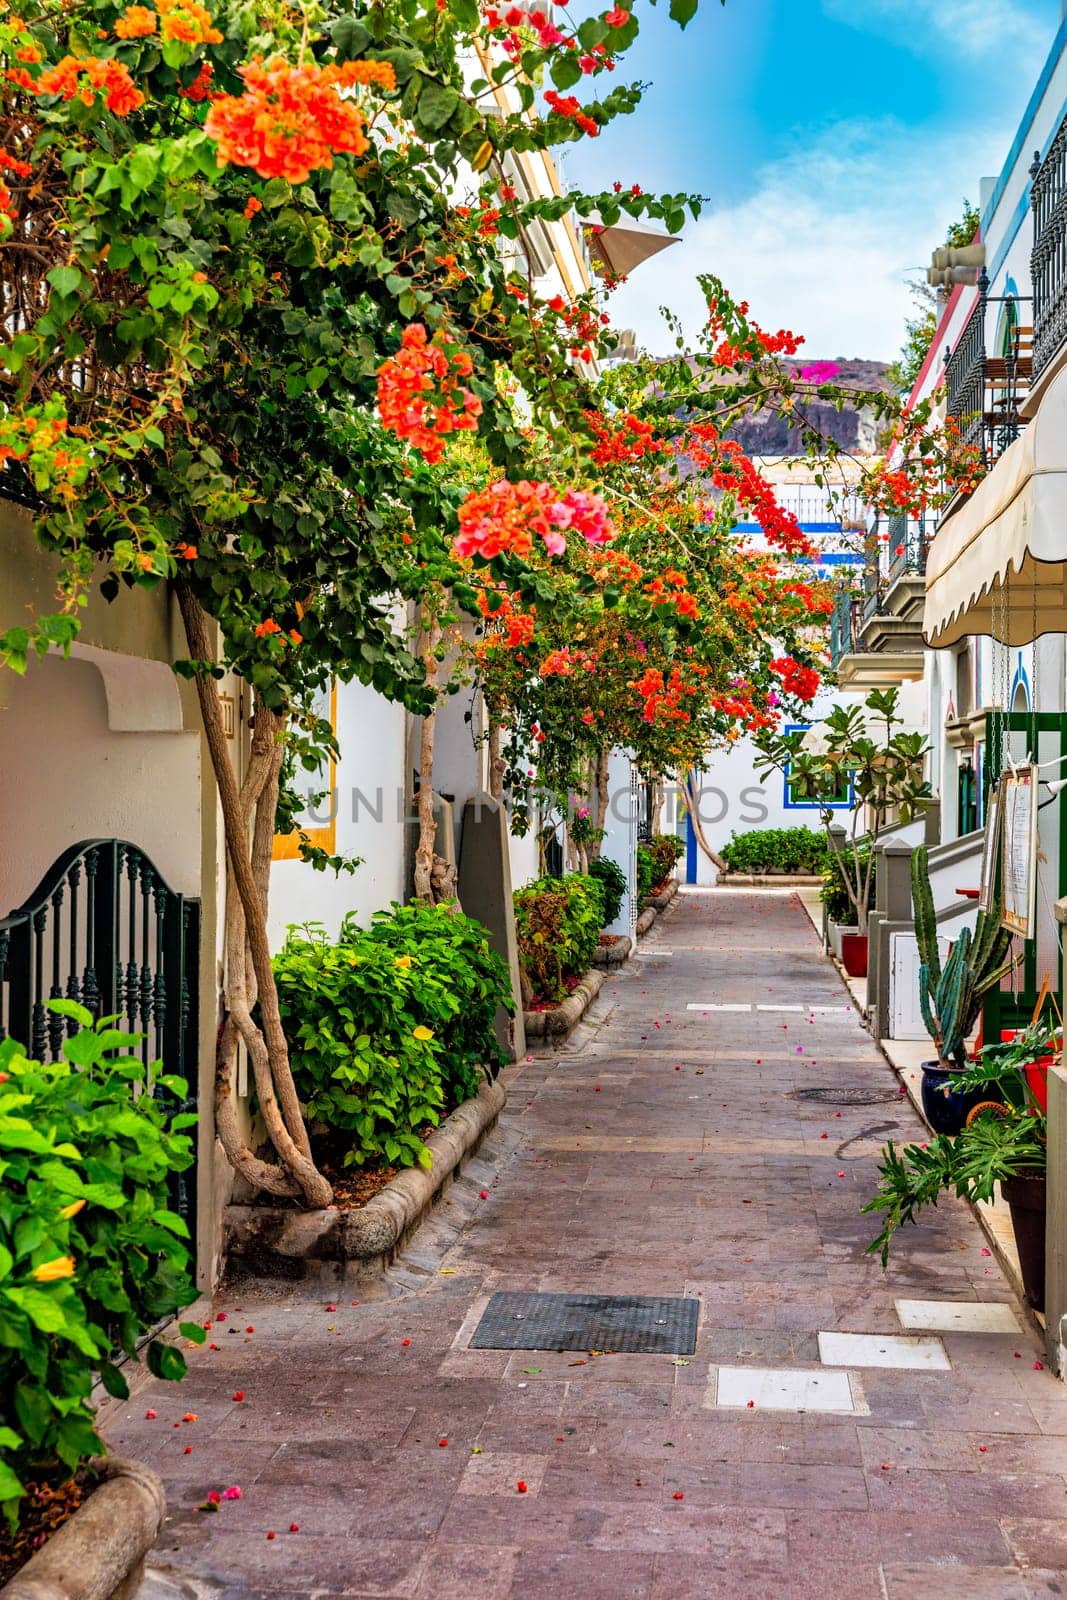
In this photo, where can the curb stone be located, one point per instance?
(558, 1023)
(613, 955)
(99, 1553)
(275, 1242)
(767, 880)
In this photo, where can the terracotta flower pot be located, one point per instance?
(854, 954)
(1026, 1201)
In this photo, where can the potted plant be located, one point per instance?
(841, 916)
(951, 996)
(861, 761)
(1003, 1141)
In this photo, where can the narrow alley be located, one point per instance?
(711, 1132)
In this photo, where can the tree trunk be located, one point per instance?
(688, 795)
(249, 974)
(496, 759)
(424, 851)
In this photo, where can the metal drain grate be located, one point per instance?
(635, 1324)
(848, 1097)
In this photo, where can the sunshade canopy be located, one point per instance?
(998, 565)
(621, 246)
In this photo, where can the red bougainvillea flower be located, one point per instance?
(290, 121)
(803, 682)
(262, 630)
(510, 516)
(421, 395)
(87, 76)
(200, 88)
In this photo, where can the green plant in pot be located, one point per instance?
(951, 996)
(861, 764)
(1003, 1141)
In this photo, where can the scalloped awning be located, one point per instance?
(998, 566)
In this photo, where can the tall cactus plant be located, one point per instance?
(951, 995)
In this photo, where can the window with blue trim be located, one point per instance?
(843, 800)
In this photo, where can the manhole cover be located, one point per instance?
(847, 1097)
(637, 1323)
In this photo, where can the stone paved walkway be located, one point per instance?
(665, 1152)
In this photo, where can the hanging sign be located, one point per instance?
(990, 849)
(1018, 794)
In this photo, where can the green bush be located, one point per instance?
(793, 850)
(667, 850)
(390, 1026)
(91, 1256)
(645, 873)
(558, 923)
(612, 880)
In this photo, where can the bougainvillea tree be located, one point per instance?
(262, 268)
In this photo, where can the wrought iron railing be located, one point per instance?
(104, 929)
(1048, 259)
(984, 391)
(845, 622)
(907, 542)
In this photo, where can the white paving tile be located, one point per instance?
(882, 1350)
(709, 1005)
(958, 1316)
(781, 1389)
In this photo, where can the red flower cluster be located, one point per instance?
(625, 438)
(672, 589)
(21, 169)
(662, 697)
(200, 88)
(567, 106)
(732, 471)
(507, 517)
(87, 76)
(420, 394)
(583, 323)
(290, 121)
(801, 682)
(748, 341)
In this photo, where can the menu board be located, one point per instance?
(1018, 794)
(990, 849)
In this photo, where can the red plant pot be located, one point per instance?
(854, 954)
(1036, 1073)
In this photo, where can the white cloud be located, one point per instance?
(826, 240)
(1013, 29)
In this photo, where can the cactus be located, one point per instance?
(951, 996)
(922, 901)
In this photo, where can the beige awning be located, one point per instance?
(621, 246)
(999, 564)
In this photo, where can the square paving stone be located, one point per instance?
(882, 1350)
(644, 1324)
(779, 1389)
(958, 1316)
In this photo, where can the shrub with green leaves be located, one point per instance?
(390, 1026)
(645, 873)
(835, 896)
(795, 850)
(558, 923)
(667, 850)
(612, 880)
(91, 1256)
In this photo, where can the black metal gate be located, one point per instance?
(104, 929)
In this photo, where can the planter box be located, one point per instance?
(834, 930)
(99, 1553)
(613, 955)
(558, 1023)
(278, 1242)
(768, 880)
(660, 902)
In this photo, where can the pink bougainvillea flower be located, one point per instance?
(483, 1194)
(234, 1492)
(820, 372)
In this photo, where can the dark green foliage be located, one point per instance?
(612, 880)
(667, 849)
(798, 850)
(645, 873)
(835, 896)
(91, 1256)
(558, 923)
(390, 1026)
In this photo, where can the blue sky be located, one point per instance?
(835, 140)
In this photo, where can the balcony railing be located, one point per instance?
(985, 391)
(1048, 260)
(906, 546)
(846, 622)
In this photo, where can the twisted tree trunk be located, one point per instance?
(688, 793)
(249, 975)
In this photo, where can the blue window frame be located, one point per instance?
(847, 797)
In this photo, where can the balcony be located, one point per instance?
(876, 633)
(1048, 260)
(986, 392)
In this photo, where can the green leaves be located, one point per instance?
(683, 11)
(436, 104)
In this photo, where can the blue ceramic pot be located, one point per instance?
(947, 1109)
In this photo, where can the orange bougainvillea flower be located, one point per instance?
(86, 76)
(421, 395)
(136, 22)
(186, 21)
(252, 205)
(291, 121)
(264, 628)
